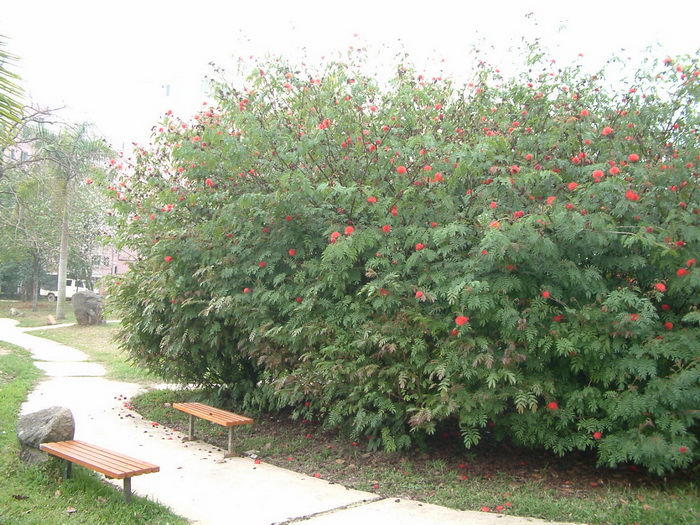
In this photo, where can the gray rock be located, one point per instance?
(16, 313)
(88, 308)
(44, 426)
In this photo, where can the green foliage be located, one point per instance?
(515, 253)
(11, 94)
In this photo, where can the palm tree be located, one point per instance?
(73, 154)
(10, 98)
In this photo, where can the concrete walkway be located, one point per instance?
(195, 480)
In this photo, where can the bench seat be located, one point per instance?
(215, 415)
(111, 464)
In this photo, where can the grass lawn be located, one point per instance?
(38, 318)
(37, 495)
(96, 341)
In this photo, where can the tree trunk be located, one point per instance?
(35, 282)
(63, 258)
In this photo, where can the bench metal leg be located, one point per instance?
(69, 468)
(230, 443)
(191, 429)
(127, 489)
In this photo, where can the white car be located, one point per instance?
(73, 286)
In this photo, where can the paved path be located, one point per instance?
(195, 480)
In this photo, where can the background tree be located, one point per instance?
(28, 232)
(28, 227)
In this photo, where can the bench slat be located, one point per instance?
(105, 461)
(215, 415)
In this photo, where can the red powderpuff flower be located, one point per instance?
(633, 157)
(461, 320)
(572, 186)
(550, 200)
(597, 435)
(262, 264)
(518, 214)
(668, 325)
(419, 246)
(634, 317)
(292, 252)
(631, 196)
(167, 258)
(558, 318)
(681, 272)
(690, 262)
(401, 169)
(386, 228)
(349, 230)
(661, 287)
(372, 200)
(419, 294)
(607, 130)
(553, 405)
(598, 174)
(546, 294)
(209, 183)
(683, 450)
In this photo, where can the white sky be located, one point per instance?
(108, 60)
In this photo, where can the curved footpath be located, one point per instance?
(195, 480)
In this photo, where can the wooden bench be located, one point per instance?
(111, 464)
(215, 415)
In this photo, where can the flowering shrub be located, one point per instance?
(517, 255)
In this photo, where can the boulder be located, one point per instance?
(16, 313)
(51, 320)
(44, 426)
(88, 308)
